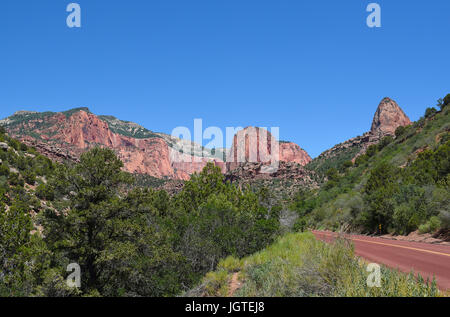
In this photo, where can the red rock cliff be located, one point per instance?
(67, 135)
(256, 145)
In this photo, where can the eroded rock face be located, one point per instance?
(288, 178)
(388, 117)
(257, 145)
(291, 152)
(65, 136)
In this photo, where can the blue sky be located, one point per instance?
(312, 68)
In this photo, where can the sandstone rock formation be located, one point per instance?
(257, 145)
(65, 136)
(388, 117)
(291, 152)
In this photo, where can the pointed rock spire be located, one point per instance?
(388, 117)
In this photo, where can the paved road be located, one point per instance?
(424, 258)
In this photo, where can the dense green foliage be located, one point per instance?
(322, 164)
(128, 240)
(144, 180)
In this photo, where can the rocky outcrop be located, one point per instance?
(359, 143)
(51, 151)
(286, 170)
(291, 152)
(4, 146)
(285, 181)
(257, 145)
(257, 159)
(388, 117)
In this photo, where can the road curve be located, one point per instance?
(424, 258)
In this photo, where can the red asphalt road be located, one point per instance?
(426, 259)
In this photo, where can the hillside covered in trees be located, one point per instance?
(401, 183)
(128, 242)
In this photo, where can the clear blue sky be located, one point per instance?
(313, 67)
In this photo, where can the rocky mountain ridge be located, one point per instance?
(65, 135)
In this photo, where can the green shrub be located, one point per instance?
(372, 150)
(44, 191)
(36, 203)
(381, 186)
(429, 112)
(230, 264)
(23, 147)
(12, 157)
(431, 225)
(4, 189)
(330, 184)
(446, 100)
(332, 174)
(22, 163)
(414, 221)
(300, 225)
(402, 216)
(400, 131)
(385, 142)
(424, 228)
(4, 170)
(15, 180)
(435, 223)
(217, 283)
(360, 160)
(347, 164)
(14, 144)
(29, 177)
